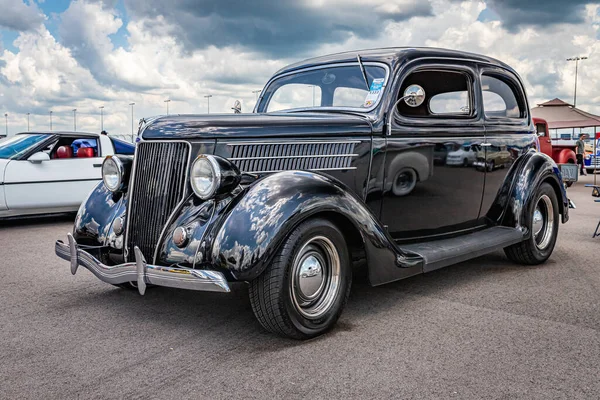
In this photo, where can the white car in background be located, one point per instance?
(464, 156)
(52, 172)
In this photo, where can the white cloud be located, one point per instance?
(85, 69)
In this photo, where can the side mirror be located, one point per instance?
(414, 96)
(38, 157)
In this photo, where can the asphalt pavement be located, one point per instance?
(481, 329)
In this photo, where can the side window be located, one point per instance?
(499, 99)
(450, 103)
(448, 94)
(69, 147)
(540, 129)
(295, 95)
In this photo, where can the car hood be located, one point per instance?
(254, 125)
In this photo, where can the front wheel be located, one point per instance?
(542, 221)
(302, 292)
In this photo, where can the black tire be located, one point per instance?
(491, 166)
(538, 248)
(465, 163)
(275, 294)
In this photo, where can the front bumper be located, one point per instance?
(140, 272)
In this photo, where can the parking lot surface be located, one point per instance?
(481, 329)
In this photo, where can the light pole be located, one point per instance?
(6, 123)
(50, 120)
(208, 96)
(256, 92)
(132, 104)
(74, 120)
(101, 118)
(576, 59)
(28, 122)
(167, 101)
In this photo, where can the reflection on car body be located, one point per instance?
(464, 156)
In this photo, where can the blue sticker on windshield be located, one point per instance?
(374, 92)
(377, 84)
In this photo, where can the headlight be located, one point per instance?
(205, 176)
(112, 173)
(212, 175)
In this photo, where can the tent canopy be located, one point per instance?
(560, 114)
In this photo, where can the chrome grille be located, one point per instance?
(312, 156)
(158, 184)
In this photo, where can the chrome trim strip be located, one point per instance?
(130, 186)
(142, 273)
(298, 142)
(311, 169)
(288, 157)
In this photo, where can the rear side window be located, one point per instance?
(500, 99)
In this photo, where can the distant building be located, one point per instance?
(565, 121)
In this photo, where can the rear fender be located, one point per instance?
(517, 194)
(264, 214)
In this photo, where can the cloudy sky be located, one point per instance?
(60, 54)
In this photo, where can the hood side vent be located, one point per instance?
(261, 157)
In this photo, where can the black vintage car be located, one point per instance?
(333, 172)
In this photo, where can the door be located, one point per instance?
(541, 129)
(508, 131)
(60, 183)
(431, 185)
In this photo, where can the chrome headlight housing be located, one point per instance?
(212, 175)
(113, 172)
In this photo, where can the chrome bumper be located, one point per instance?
(140, 272)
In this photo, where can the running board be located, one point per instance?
(441, 253)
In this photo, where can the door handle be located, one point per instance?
(486, 144)
(97, 165)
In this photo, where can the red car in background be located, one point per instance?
(561, 154)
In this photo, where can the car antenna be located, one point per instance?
(364, 73)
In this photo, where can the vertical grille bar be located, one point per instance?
(158, 185)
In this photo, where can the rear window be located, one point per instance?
(500, 99)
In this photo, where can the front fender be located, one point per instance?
(516, 196)
(93, 224)
(565, 156)
(264, 214)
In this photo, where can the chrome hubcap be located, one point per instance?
(315, 277)
(543, 222)
(310, 279)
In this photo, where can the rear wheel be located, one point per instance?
(303, 291)
(542, 221)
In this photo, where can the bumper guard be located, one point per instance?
(141, 272)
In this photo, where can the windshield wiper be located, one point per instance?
(364, 73)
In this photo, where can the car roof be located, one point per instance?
(392, 55)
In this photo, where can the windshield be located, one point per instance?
(18, 145)
(330, 86)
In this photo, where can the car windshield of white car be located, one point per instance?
(343, 87)
(18, 145)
